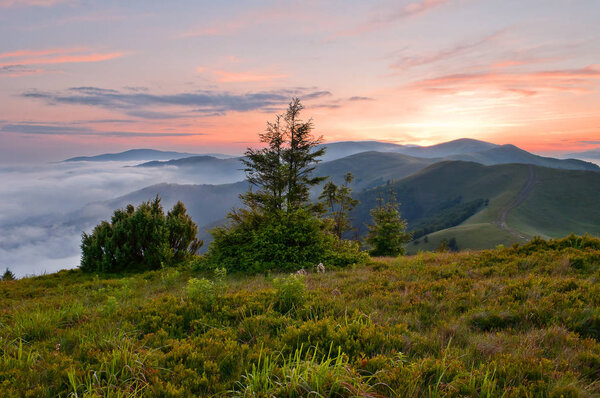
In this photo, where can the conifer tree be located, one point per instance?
(387, 234)
(281, 173)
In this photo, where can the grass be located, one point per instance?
(511, 322)
(468, 236)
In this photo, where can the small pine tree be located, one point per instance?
(8, 275)
(387, 234)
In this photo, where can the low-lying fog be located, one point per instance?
(45, 208)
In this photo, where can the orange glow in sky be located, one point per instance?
(206, 76)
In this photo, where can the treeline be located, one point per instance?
(449, 217)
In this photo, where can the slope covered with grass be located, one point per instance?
(514, 322)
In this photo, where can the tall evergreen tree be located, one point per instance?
(281, 173)
(279, 228)
(387, 235)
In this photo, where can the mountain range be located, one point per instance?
(138, 155)
(478, 193)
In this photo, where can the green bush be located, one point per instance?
(291, 293)
(204, 292)
(140, 239)
(287, 241)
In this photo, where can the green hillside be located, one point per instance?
(522, 201)
(371, 169)
(512, 154)
(445, 186)
(515, 322)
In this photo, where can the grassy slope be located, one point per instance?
(468, 236)
(511, 322)
(425, 193)
(561, 202)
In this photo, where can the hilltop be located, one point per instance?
(510, 322)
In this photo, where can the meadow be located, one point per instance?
(520, 321)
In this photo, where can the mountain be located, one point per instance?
(338, 150)
(450, 148)
(192, 161)
(480, 206)
(205, 203)
(205, 169)
(371, 169)
(592, 154)
(136, 154)
(512, 154)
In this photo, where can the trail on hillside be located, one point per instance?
(519, 199)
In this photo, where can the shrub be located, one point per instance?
(140, 239)
(200, 291)
(291, 293)
(255, 242)
(204, 292)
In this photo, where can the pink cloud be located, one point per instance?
(39, 53)
(527, 83)
(53, 56)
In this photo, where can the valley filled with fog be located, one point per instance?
(44, 208)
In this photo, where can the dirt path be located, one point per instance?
(519, 199)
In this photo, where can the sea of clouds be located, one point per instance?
(45, 208)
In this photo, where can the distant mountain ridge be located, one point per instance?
(193, 161)
(509, 153)
(591, 154)
(138, 154)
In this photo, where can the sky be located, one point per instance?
(82, 77)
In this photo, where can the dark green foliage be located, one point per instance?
(340, 203)
(387, 233)
(447, 217)
(140, 239)
(8, 275)
(280, 240)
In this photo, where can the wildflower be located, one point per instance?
(320, 268)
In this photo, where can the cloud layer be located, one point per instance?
(44, 209)
(200, 102)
